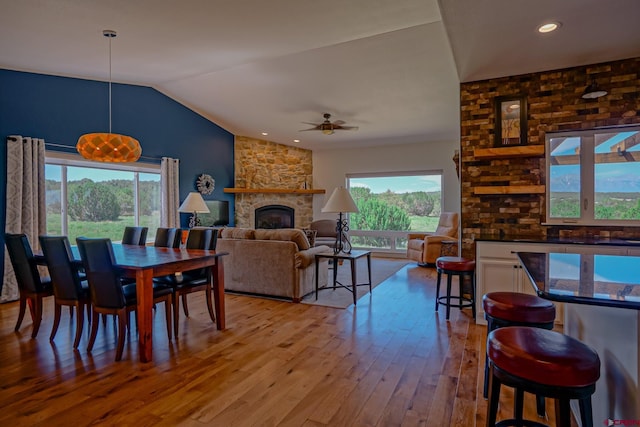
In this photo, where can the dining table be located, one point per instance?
(143, 263)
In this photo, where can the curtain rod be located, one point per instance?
(51, 144)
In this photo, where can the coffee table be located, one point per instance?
(337, 258)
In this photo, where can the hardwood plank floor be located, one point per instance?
(389, 361)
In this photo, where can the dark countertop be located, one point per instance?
(561, 240)
(604, 280)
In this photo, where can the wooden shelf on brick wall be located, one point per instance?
(510, 189)
(508, 152)
(274, 190)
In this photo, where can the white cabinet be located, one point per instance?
(498, 269)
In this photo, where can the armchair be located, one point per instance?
(425, 247)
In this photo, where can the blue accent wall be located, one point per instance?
(60, 109)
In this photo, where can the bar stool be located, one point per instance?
(516, 309)
(461, 267)
(545, 363)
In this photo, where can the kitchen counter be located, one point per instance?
(594, 279)
(561, 240)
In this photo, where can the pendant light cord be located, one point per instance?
(110, 37)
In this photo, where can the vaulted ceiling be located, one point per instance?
(390, 67)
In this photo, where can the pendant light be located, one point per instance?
(109, 147)
(593, 91)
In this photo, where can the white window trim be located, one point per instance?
(587, 181)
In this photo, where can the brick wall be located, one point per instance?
(554, 103)
(265, 164)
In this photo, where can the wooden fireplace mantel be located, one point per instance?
(274, 190)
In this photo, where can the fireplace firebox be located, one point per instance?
(274, 216)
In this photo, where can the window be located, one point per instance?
(391, 204)
(99, 199)
(594, 177)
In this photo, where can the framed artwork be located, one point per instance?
(511, 121)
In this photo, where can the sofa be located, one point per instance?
(271, 262)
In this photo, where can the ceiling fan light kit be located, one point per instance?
(327, 127)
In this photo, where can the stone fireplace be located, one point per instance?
(274, 216)
(271, 174)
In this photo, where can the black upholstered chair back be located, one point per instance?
(167, 238)
(199, 238)
(214, 239)
(135, 236)
(99, 265)
(64, 274)
(23, 262)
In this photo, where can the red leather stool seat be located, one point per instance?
(543, 357)
(455, 263)
(544, 363)
(518, 307)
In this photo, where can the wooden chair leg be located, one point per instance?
(79, 325)
(185, 308)
(123, 316)
(167, 312)
(37, 309)
(208, 294)
(94, 329)
(176, 314)
(57, 312)
(23, 309)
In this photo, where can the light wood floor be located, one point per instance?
(390, 361)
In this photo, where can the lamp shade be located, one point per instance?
(194, 203)
(109, 147)
(340, 201)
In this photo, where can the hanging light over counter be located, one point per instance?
(109, 147)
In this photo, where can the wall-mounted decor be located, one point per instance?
(205, 184)
(511, 121)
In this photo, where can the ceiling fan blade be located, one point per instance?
(304, 130)
(339, 122)
(346, 127)
(309, 123)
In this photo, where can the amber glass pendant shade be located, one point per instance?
(109, 147)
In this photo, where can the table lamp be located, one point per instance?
(341, 202)
(194, 203)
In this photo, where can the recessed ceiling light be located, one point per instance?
(296, 140)
(265, 133)
(548, 27)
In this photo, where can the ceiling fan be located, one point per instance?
(327, 127)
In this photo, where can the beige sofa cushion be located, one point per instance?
(237, 233)
(285, 235)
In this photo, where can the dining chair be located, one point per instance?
(70, 288)
(167, 238)
(187, 282)
(135, 236)
(108, 296)
(31, 286)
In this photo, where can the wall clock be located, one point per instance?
(205, 184)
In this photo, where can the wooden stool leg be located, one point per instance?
(586, 416)
(448, 294)
(494, 399)
(540, 406)
(473, 295)
(518, 408)
(563, 414)
(437, 290)
(485, 389)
